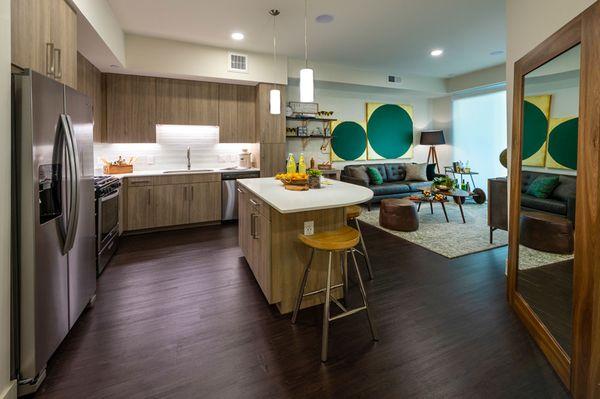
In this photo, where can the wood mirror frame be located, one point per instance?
(581, 372)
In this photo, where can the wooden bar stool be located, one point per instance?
(352, 214)
(338, 241)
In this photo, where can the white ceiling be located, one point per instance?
(389, 35)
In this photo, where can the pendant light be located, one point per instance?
(274, 94)
(307, 83)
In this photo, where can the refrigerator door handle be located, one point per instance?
(73, 172)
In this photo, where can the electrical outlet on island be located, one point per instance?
(309, 228)
(150, 160)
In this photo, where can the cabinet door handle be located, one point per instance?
(148, 196)
(239, 190)
(253, 202)
(50, 59)
(253, 225)
(58, 61)
(185, 193)
(192, 193)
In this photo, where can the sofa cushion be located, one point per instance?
(381, 168)
(390, 188)
(431, 171)
(542, 186)
(566, 189)
(375, 177)
(395, 171)
(544, 204)
(416, 171)
(418, 185)
(358, 172)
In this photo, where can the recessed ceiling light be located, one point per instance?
(324, 18)
(237, 36)
(497, 52)
(436, 52)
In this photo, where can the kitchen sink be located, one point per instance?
(188, 171)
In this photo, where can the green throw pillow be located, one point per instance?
(374, 176)
(543, 186)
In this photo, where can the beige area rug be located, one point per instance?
(452, 239)
(530, 258)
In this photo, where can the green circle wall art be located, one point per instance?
(536, 110)
(390, 131)
(348, 141)
(562, 143)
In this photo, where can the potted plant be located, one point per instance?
(443, 183)
(314, 178)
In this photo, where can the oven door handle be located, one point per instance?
(109, 197)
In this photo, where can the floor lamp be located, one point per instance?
(433, 138)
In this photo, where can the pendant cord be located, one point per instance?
(306, 33)
(274, 45)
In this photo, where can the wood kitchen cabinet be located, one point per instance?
(175, 200)
(140, 207)
(172, 103)
(130, 109)
(44, 38)
(203, 103)
(254, 237)
(270, 128)
(204, 202)
(237, 114)
(171, 205)
(187, 102)
(89, 82)
(272, 159)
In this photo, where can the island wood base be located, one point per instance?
(269, 241)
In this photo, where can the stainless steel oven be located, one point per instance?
(108, 190)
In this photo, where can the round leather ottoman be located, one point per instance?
(398, 214)
(546, 232)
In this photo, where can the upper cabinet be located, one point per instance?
(89, 82)
(185, 102)
(237, 114)
(44, 38)
(270, 128)
(203, 102)
(130, 109)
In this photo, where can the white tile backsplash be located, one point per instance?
(169, 152)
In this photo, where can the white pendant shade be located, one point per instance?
(307, 86)
(275, 101)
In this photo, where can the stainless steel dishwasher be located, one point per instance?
(229, 201)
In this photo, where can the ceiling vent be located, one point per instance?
(238, 63)
(394, 79)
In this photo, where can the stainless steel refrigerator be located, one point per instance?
(53, 218)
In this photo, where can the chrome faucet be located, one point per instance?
(189, 163)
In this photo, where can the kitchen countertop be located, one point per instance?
(182, 172)
(333, 194)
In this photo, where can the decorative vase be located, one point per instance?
(314, 182)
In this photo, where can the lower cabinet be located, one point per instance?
(140, 207)
(172, 201)
(254, 230)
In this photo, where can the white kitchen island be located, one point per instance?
(270, 220)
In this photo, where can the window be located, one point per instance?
(479, 133)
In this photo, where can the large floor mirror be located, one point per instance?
(554, 210)
(548, 192)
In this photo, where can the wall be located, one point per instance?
(7, 387)
(326, 72)
(101, 18)
(480, 78)
(169, 152)
(349, 103)
(169, 58)
(529, 22)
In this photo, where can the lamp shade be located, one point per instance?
(432, 137)
(307, 86)
(275, 102)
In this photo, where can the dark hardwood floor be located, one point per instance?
(179, 315)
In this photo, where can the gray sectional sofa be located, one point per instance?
(394, 183)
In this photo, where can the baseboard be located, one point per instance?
(10, 392)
